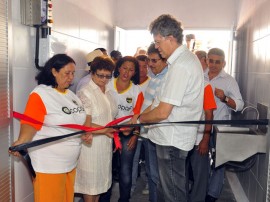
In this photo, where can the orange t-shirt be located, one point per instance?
(209, 99)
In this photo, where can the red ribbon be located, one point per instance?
(77, 126)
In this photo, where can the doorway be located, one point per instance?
(129, 40)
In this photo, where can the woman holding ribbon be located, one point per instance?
(94, 171)
(53, 104)
(129, 99)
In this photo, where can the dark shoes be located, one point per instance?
(209, 198)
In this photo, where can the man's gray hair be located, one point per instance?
(216, 51)
(167, 25)
(201, 54)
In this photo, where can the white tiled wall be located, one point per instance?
(252, 73)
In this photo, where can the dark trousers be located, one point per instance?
(126, 163)
(199, 166)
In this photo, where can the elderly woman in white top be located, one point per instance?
(94, 175)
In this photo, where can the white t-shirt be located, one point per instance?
(56, 108)
(145, 84)
(128, 101)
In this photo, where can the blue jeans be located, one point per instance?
(151, 165)
(200, 166)
(172, 172)
(125, 175)
(136, 164)
(216, 180)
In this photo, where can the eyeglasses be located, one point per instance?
(153, 60)
(157, 43)
(217, 62)
(103, 76)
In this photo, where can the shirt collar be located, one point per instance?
(176, 53)
(164, 71)
(95, 86)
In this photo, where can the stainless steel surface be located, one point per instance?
(237, 143)
(232, 129)
(237, 130)
(257, 112)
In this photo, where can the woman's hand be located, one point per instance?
(27, 133)
(132, 142)
(15, 153)
(126, 130)
(134, 119)
(87, 137)
(109, 132)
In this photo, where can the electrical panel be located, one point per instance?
(37, 13)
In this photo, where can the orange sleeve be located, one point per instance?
(209, 100)
(139, 103)
(35, 109)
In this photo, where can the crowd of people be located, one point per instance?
(165, 83)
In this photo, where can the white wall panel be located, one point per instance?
(24, 82)
(193, 14)
(68, 20)
(23, 40)
(103, 10)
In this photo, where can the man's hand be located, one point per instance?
(203, 147)
(220, 94)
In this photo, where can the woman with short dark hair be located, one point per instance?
(94, 171)
(52, 103)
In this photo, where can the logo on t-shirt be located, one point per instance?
(129, 99)
(124, 108)
(78, 109)
(66, 110)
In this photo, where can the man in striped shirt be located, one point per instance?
(158, 67)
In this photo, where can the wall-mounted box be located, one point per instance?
(36, 12)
